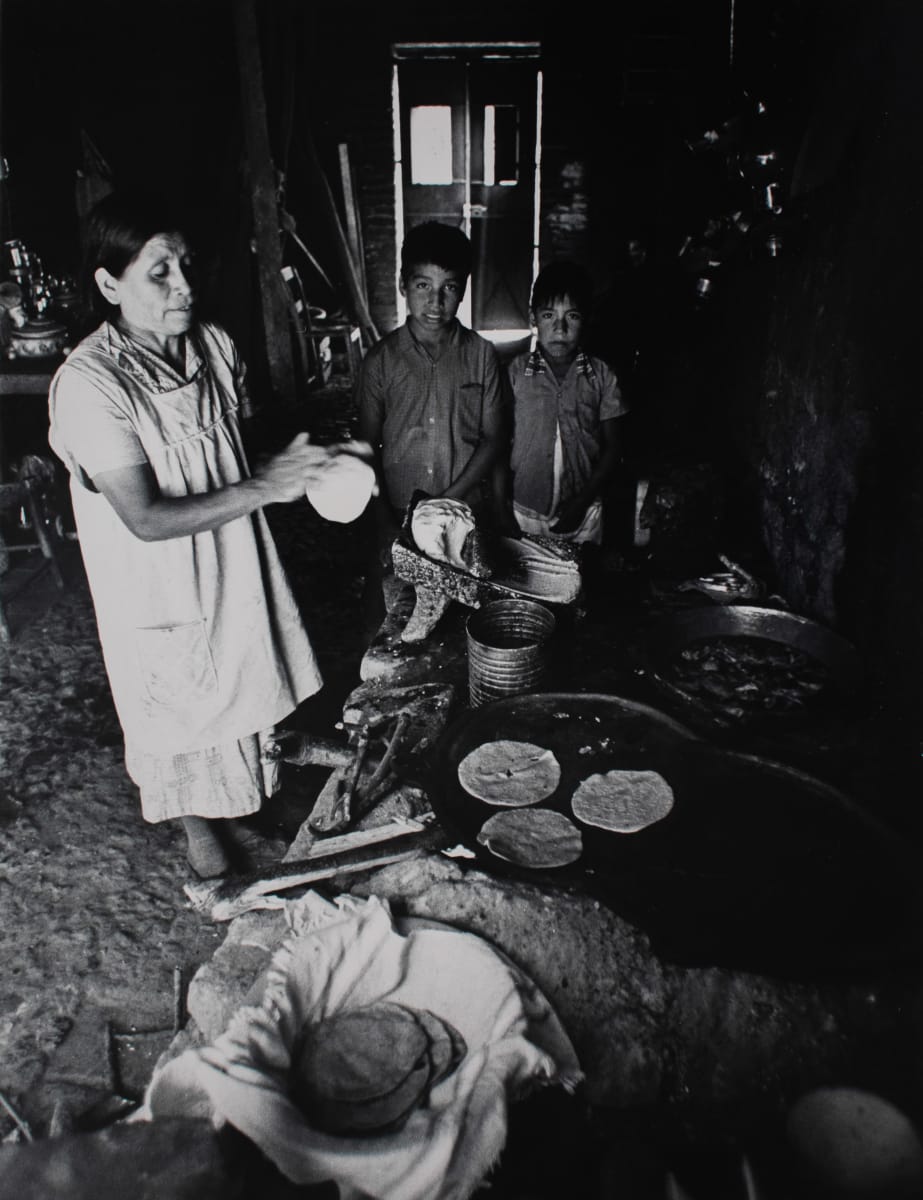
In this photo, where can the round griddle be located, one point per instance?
(758, 865)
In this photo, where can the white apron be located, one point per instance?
(201, 635)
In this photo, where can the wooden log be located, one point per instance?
(264, 206)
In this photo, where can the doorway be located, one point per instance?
(467, 120)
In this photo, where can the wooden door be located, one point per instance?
(468, 140)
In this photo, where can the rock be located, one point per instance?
(220, 986)
(646, 1031)
(596, 970)
(442, 655)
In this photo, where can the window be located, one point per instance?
(431, 144)
(501, 145)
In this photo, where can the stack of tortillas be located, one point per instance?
(622, 801)
(365, 1070)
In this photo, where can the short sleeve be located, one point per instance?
(89, 432)
(612, 403)
(493, 390)
(370, 391)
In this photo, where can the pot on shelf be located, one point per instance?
(39, 337)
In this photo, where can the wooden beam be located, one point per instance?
(351, 209)
(5, 231)
(264, 206)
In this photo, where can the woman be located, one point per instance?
(202, 639)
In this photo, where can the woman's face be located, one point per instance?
(154, 293)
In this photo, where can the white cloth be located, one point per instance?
(590, 528)
(201, 635)
(229, 780)
(344, 955)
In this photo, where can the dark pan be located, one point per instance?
(666, 638)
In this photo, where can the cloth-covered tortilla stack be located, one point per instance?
(364, 1070)
(532, 837)
(440, 529)
(622, 801)
(509, 774)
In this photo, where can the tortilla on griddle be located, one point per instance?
(532, 837)
(622, 801)
(509, 774)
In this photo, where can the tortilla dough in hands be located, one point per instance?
(345, 484)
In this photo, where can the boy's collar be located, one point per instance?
(538, 365)
(451, 332)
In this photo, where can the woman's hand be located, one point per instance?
(287, 475)
(134, 494)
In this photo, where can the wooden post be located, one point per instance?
(353, 228)
(4, 198)
(264, 206)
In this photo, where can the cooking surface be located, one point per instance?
(757, 864)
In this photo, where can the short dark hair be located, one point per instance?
(115, 231)
(432, 242)
(560, 279)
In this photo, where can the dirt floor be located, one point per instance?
(96, 936)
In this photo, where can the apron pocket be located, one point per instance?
(176, 663)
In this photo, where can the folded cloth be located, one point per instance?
(342, 955)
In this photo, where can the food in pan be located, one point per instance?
(532, 837)
(365, 1070)
(742, 676)
(509, 774)
(622, 801)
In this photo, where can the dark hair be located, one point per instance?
(115, 231)
(560, 279)
(432, 242)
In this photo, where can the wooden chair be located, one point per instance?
(23, 494)
(344, 332)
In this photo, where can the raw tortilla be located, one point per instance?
(509, 774)
(622, 801)
(532, 837)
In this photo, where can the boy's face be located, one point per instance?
(559, 325)
(433, 296)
